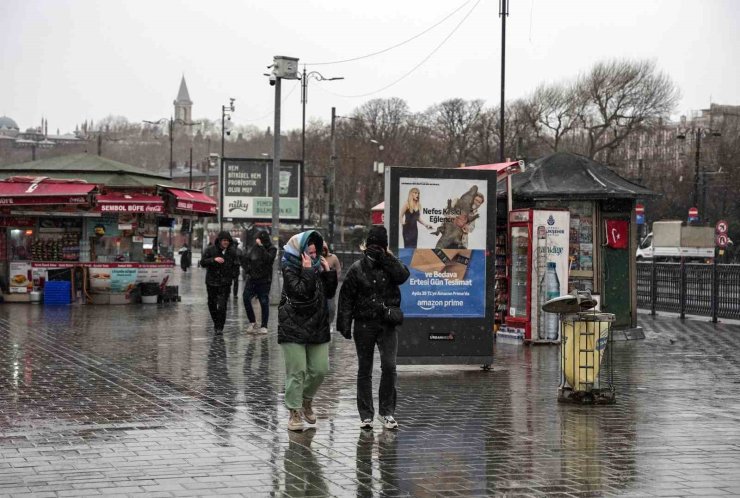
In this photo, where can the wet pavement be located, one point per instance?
(143, 399)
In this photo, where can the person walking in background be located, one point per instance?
(219, 260)
(238, 268)
(257, 262)
(370, 289)
(303, 324)
(185, 257)
(335, 265)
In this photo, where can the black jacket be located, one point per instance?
(220, 273)
(303, 313)
(368, 287)
(257, 262)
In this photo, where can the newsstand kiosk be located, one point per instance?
(441, 224)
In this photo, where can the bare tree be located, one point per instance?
(552, 112)
(618, 97)
(454, 122)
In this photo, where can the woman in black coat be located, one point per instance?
(369, 289)
(220, 260)
(303, 324)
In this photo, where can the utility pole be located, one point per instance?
(190, 186)
(275, 290)
(304, 98)
(172, 139)
(697, 174)
(332, 174)
(503, 13)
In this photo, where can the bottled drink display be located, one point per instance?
(552, 290)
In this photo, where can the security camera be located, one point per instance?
(273, 79)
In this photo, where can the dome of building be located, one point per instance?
(6, 122)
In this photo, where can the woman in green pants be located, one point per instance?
(303, 324)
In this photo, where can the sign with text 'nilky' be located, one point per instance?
(247, 189)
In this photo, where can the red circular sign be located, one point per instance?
(722, 240)
(693, 212)
(721, 226)
(639, 209)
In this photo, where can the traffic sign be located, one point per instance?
(693, 212)
(722, 240)
(639, 209)
(721, 226)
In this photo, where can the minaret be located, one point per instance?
(184, 106)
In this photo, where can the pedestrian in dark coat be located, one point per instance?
(370, 287)
(303, 323)
(238, 268)
(219, 260)
(257, 263)
(185, 257)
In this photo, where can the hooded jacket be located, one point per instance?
(258, 259)
(371, 283)
(303, 313)
(220, 273)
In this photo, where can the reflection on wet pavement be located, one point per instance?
(144, 399)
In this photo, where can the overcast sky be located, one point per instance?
(71, 60)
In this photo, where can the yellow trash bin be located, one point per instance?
(585, 337)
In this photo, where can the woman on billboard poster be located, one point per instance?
(411, 215)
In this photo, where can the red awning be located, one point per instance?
(129, 203)
(23, 191)
(193, 201)
(502, 169)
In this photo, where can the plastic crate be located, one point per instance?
(57, 292)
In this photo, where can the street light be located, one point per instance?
(282, 68)
(379, 166)
(304, 98)
(171, 125)
(226, 111)
(699, 132)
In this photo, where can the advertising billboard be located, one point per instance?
(442, 224)
(247, 189)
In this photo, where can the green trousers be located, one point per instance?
(306, 365)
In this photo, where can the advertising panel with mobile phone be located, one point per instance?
(441, 222)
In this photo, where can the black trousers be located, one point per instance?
(367, 335)
(236, 286)
(218, 297)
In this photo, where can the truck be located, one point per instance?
(673, 240)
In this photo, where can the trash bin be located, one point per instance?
(149, 293)
(585, 349)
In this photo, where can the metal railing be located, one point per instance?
(690, 288)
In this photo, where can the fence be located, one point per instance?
(690, 288)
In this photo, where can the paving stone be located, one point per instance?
(140, 400)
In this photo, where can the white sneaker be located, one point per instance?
(388, 421)
(366, 423)
(261, 330)
(252, 327)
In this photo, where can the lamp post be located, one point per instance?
(171, 127)
(699, 201)
(379, 166)
(282, 68)
(304, 98)
(226, 111)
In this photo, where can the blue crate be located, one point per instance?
(57, 292)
